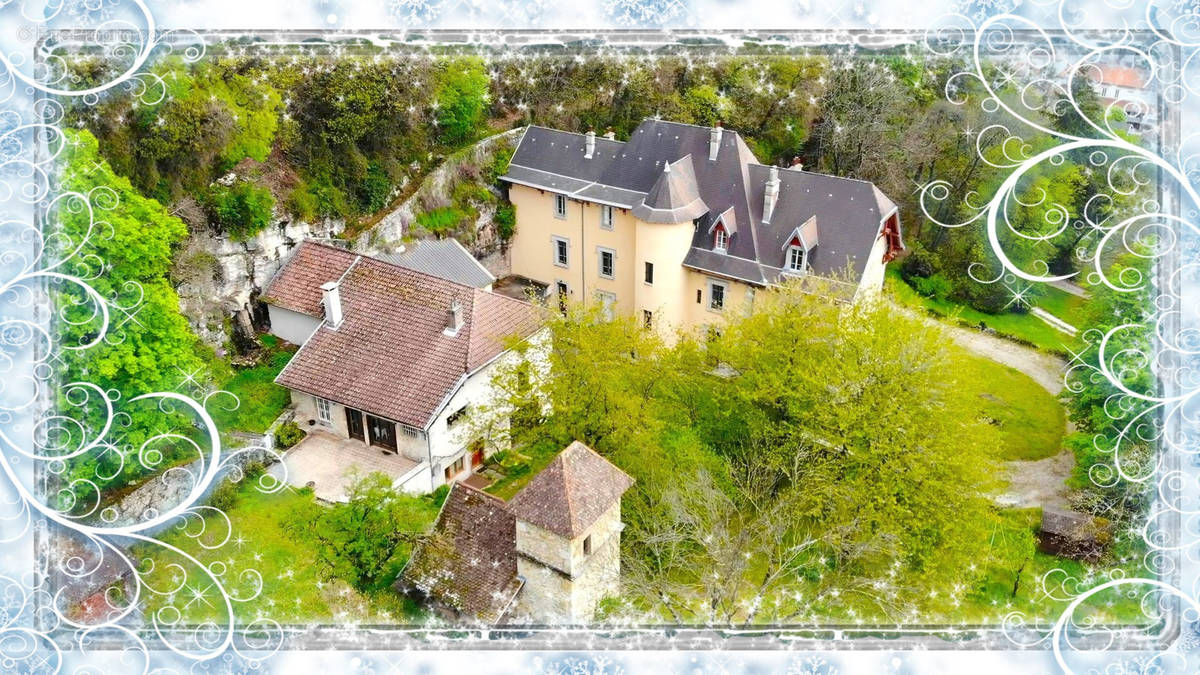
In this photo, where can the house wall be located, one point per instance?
(873, 274)
(698, 315)
(561, 582)
(292, 326)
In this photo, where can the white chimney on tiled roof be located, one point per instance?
(797, 165)
(771, 195)
(454, 318)
(589, 144)
(331, 297)
(714, 142)
(610, 134)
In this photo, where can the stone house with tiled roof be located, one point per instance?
(547, 556)
(681, 223)
(392, 357)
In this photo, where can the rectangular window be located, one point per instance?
(324, 411)
(722, 241)
(561, 247)
(456, 468)
(560, 206)
(650, 273)
(608, 259)
(796, 259)
(716, 295)
(647, 318)
(749, 301)
(607, 302)
(456, 416)
(699, 296)
(606, 217)
(587, 545)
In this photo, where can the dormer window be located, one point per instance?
(795, 259)
(721, 240)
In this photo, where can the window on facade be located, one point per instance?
(716, 295)
(607, 262)
(324, 411)
(607, 302)
(650, 273)
(721, 243)
(560, 251)
(606, 217)
(456, 468)
(587, 545)
(560, 206)
(411, 432)
(647, 318)
(456, 416)
(699, 296)
(795, 261)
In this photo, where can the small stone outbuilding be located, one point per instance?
(1074, 535)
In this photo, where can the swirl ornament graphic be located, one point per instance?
(1027, 83)
(92, 582)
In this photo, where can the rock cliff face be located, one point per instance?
(219, 279)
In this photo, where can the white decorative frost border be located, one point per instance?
(33, 629)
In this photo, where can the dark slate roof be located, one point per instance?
(630, 174)
(391, 356)
(574, 489)
(444, 259)
(470, 561)
(675, 197)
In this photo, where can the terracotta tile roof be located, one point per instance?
(575, 489)
(470, 562)
(390, 356)
(297, 286)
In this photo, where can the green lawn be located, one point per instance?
(1031, 421)
(1025, 328)
(293, 590)
(1064, 305)
(261, 400)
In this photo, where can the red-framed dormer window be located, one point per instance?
(720, 239)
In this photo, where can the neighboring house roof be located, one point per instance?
(445, 259)
(574, 490)
(391, 355)
(297, 285)
(470, 562)
(1120, 76)
(631, 175)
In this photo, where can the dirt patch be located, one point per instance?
(1038, 483)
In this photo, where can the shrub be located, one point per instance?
(921, 263)
(242, 210)
(225, 496)
(935, 286)
(375, 190)
(303, 204)
(441, 220)
(288, 434)
(506, 221)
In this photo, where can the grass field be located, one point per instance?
(292, 588)
(1031, 421)
(261, 400)
(1025, 328)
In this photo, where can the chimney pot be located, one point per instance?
(771, 194)
(454, 318)
(331, 297)
(610, 134)
(589, 144)
(797, 165)
(714, 142)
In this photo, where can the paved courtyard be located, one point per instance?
(331, 463)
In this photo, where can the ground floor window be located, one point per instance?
(716, 295)
(324, 411)
(456, 468)
(607, 302)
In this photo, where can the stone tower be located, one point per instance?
(569, 536)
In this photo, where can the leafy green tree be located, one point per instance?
(241, 210)
(149, 346)
(367, 539)
(461, 99)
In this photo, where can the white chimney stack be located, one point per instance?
(610, 134)
(714, 142)
(797, 165)
(331, 297)
(589, 144)
(771, 195)
(454, 318)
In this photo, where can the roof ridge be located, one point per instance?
(813, 173)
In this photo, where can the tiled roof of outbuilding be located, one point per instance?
(574, 489)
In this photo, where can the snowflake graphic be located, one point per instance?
(979, 10)
(644, 12)
(415, 11)
(812, 665)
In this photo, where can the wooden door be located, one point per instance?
(382, 432)
(354, 424)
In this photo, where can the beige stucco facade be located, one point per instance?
(561, 581)
(678, 297)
